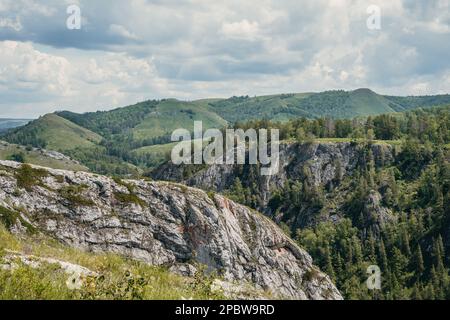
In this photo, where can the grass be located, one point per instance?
(173, 114)
(61, 134)
(9, 219)
(129, 198)
(119, 278)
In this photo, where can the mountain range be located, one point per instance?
(131, 139)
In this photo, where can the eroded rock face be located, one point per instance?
(323, 164)
(323, 161)
(163, 223)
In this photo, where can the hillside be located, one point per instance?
(161, 224)
(332, 104)
(38, 156)
(356, 201)
(54, 133)
(135, 139)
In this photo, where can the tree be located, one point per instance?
(418, 262)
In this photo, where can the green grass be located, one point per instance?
(118, 278)
(73, 194)
(9, 219)
(129, 198)
(160, 152)
(173, 114)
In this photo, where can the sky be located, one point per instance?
(130, 51)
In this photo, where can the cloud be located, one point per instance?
(197, 48)
(26, 71)
(39, 82)
(10, 23)
(117, 29)
(241, 30)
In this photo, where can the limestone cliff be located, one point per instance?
(323, 165)
(161, 223)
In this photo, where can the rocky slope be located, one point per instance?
(162, 224)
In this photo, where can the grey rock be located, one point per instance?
(324, 163)
(171, 224)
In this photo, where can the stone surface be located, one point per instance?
(171, 224)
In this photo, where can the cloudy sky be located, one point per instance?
(129, 51)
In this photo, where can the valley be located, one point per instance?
(364, 180)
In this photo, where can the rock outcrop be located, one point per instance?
(162, 223)
(324, 162)
(324, 165)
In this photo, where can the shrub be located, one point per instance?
(27, 176)
(129, 198)
(18, 157)
(73, 194)
(9, 218)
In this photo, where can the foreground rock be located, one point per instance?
(164, 224)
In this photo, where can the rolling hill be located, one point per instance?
(333, 104)
(130, 139)
(53, 132)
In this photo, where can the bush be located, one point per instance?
(73, 194)
(17, 157)
(129, 198)
(27, 177)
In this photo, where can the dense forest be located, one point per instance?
(412, 248)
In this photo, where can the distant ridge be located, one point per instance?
(126, 139)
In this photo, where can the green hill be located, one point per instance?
(173, 114)
(130, 139)
(148, 119)
(334, 104)
(54, 133)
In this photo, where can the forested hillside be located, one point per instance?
(133, 140)
(354, 194)
(356, 189)
(332, 104)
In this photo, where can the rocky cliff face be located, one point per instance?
(163, 224)
(322, 164)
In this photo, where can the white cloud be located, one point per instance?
(24, 68)
(117, 29)
(198, 48)
(241, 30)
(82, 83)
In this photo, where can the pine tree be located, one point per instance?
(328, 262)
(382, 256)
(405, 241)
(418, 262)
